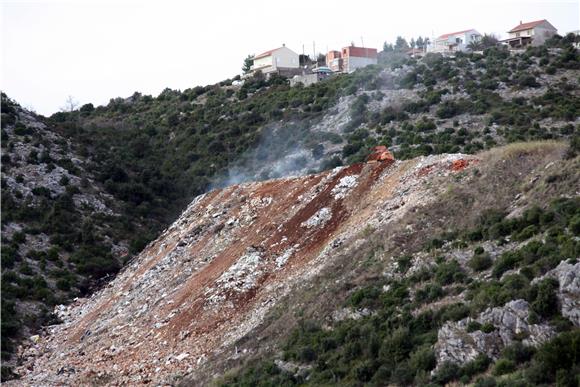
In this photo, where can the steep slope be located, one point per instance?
(234, 276)
(61, 232)
(210, 278)
(144, 158)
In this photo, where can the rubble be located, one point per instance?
(344, 186)
(211, 277)
(320, 218)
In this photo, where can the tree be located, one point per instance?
(412, 43)
(420, 43)
(248, 63)
(475, 45)
(70, 105)
(489, 40)
(401, 44)
(387, 47)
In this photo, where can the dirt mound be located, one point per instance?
(209, 279)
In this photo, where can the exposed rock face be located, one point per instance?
(209, 279)
(568, 277)
(456, 345)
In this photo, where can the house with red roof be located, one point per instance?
(281, 60)
(534, 33)
(351, 58)
(455, 41)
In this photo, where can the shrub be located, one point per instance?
(545, 300)
(449, 272)
(503, 366)
(487, 328)
(476, 366)
(480, 262)
(446, 373)
(518, 352)
(527, 80)
(423, 359)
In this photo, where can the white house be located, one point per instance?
(455, 41)
(534, 33)
(280, 60)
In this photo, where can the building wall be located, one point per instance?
(284, 57)
(263, 62)
(335, 64)
(306, 80)
(352, 63)
(281, 58)
(359, 52)
(443, 45)
(541, 34)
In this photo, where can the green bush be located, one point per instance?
(480, 262)
(545, 300)
(487, 328)
(449, 272)
(503, 366)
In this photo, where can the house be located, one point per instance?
(455, 41)
(334, 61)
(415, 52)
(357, 57)
(282, 61)
(318, 74)
(351, 58)
(534, 33)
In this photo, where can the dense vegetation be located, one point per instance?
(393, 345)
(60, 249)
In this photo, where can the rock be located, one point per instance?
(318, 219)
(350, 314)
(568, 276)
(344, 186)
(35, 338)
(456, 345)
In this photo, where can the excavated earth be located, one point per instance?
(210, 278)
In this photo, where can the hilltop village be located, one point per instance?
(300, 68)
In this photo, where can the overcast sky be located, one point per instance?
(97, 50)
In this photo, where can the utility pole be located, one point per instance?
(314, 50)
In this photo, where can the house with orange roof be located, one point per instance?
(454, 41)
(534, 33)
(351, 58)
(281, 60)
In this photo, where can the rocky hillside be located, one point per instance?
(61, 232)
(83, 191)
(430, 269)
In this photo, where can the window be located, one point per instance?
(517, 34)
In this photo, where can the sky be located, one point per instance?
(98, 50)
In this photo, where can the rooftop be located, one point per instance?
(527, 26)
(445, 36)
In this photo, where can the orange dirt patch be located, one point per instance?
(459, 165)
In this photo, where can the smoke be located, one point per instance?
(281, 152)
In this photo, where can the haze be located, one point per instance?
(95, 51)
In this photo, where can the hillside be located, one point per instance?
(313, 272)
(84, 191)
(61, 232)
